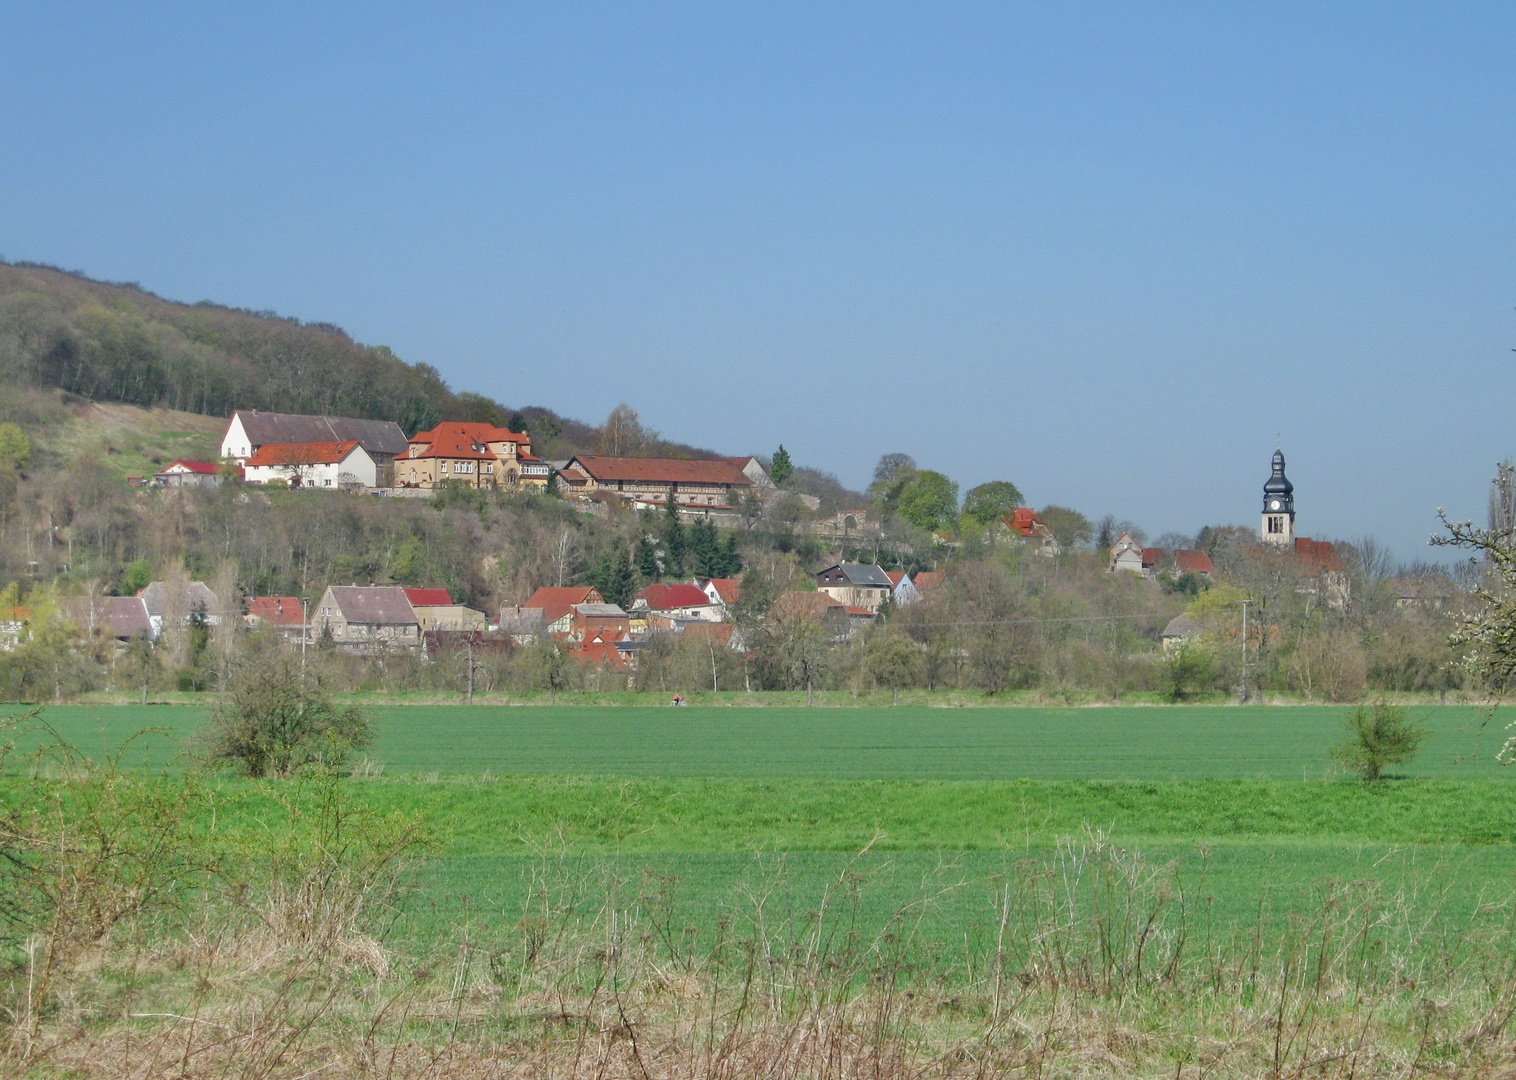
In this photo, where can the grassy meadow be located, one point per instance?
(715, 807)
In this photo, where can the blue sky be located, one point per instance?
(1109, 252)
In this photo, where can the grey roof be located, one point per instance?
(864, 574)
(114, 616)
(1183, 626)
(600, 611)
(196, 594)
(374, 605)
(375, 436)
(523, 620)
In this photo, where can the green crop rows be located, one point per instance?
(726, 807)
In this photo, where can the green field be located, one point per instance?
(718, 807)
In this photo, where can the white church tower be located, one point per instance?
(1279, 507)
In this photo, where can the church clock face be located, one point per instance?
(1274, 505)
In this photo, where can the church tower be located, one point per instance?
(1279, 507)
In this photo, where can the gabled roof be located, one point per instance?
(801, 605)
(1182, 626)
(428, 597)
(373, 605)
(1193, 561)
(1023, 519)
(1320, 552)
(556, 602)
(663, 470)
(665, 597)
(196, 594)
(202, 467)
(279, 610)
(861, 574)
(600, 611)
(928, 579)
(375, 436)
(112, 616)
(728, 588)
(894, 576)
(456, 440)
(310, 453)
(601, 653)
(1151, 557)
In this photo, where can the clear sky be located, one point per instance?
(1110, 252)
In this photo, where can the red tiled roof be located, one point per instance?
(728, 588)
(603, 653)
(428, 597)
(203, 467)
(851, 610)
(453, 440)
(721, 631)
(1022, 519)
(1152, 556)
(928, 579)
(556, 602)
(663, 470)
(452, 431)
(894, 576)
(1193, 561)
(804, 605)
(1320, 552)
(308, 453)
(664, 597)
(279, 610)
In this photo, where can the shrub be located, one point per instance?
(274, 721)
(1378, 735)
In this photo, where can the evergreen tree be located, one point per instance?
(614, 578)
(647, 560)
(782, 468)
(516, 423)
(673, 539)
(731, 562)
(705, 549)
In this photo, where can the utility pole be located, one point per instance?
(305, 633)
(471, 667)
(1245, 651)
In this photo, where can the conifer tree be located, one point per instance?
(673, 539)
(647, 560)
(614, 578)
(782, 468)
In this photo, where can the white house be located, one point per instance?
(249, 429)
(326, 466)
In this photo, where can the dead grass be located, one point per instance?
(1089, 966)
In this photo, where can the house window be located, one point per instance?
(413, 476)
(327, 481)
(489, 466)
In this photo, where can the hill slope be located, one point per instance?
(107, 342)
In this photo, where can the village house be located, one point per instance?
(184, 603)
(366, 617)
(1180, 630)
(521, 625)
(557, 605)
(597, 623)
(284, 613)
(248, 429)
(859, 585)
(679, 601)
(189, 474)
(709, 484)
(1026, 524)
(118, 617)
(904, 592)
(436, 613)
(721, 590)
(325, 466)
(472, 454)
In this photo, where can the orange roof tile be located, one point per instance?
(317, 453)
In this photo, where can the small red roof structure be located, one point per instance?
(802, 606)
(556, 601)
(894, 576)
(428, 597)
(202, 467)
(311, 453)
(1193, 561)
(928, 579)
(278, 610)
(598, 654)
(1320, 553)
(666, 597)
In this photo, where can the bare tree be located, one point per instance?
(624, 435)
